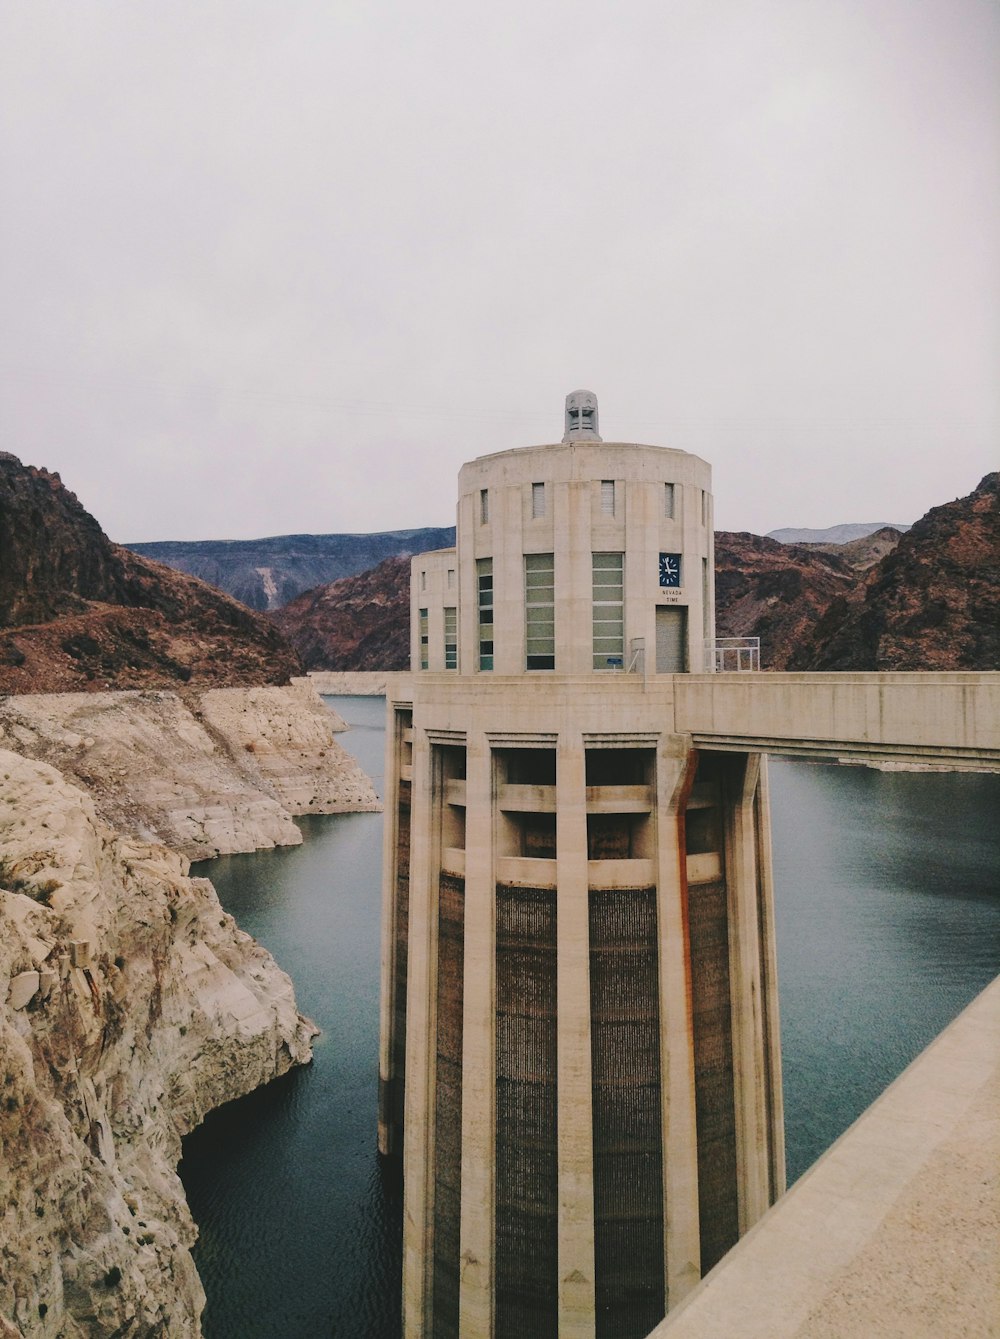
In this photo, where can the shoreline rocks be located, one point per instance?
(212, 773)
(130, 1004)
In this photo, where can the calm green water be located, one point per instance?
(888, 922)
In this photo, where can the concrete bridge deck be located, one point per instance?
(950, 719)
(895, 1231)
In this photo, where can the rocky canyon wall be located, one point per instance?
(130, 1004)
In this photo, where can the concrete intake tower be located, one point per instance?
(579, 1061)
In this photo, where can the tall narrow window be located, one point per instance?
(451, 578)
(537, 500)
(705, 507)
(668, 500)
(450, 637)
(539, 611)
(484, 505)
(609, 611)
(608, 497)
(424, 640)
(484, 575)
(423, 580)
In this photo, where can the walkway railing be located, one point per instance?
(729, 654)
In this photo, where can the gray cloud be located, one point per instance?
(283, 267)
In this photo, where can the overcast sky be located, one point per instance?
(273, 267)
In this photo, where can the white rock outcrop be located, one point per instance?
(209, 775)
(130, 1004)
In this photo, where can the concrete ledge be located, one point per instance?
(353, 683)
(894, 1231)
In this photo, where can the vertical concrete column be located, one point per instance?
(769, 968)
(574, 578)
(676, 765)
(466, 551)
(415, 606)
(750, 1071)
(418, 1134)
(575, 1101)
(387, 999)
(478, 1048)
(642, 557)
(508, 581)
(709, 594)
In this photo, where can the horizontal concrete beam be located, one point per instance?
(950, 719)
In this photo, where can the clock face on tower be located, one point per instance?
(670, 569)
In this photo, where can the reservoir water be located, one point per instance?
(887, 891)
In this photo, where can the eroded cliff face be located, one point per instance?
(358, 623)
(932, 604)
(777, 592)
(210, 774)
(130, 1004)
(78, 613)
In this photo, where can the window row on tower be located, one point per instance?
(661, 584)
(611, 493)
(608, 602)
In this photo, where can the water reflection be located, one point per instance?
(888, 920)
(299, 1223)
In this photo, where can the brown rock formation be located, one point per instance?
(80, 613)
(932, 604)
(357, 623)
(54, 556)
(777, 592)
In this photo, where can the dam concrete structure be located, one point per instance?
(580, 1061)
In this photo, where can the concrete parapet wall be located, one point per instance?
(354, 683)
(893, 1231)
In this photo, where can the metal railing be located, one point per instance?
(728, 655)
(636, 656)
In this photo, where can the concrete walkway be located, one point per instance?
(895, 1231)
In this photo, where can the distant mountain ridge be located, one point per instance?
(861, 553)
(266, 574)
(833, 534)
(269, 573)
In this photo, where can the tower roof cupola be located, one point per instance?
(581, 417)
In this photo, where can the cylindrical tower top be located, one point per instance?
(581, 417)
